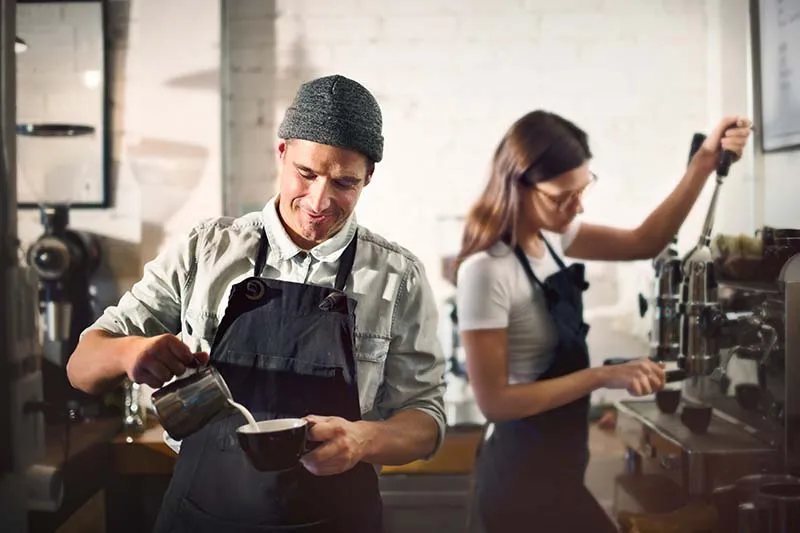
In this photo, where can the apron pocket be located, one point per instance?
(275, 363)
(271, 386)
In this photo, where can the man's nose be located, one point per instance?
(319, 195)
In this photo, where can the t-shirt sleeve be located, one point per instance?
(483, 294)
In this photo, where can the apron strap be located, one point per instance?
(261, 258)
(556, 257)
(526, 264)
(345, 262)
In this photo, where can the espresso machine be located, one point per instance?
(64, 261)
(737, 421)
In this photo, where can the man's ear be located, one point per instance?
(368, 179)
(282, 146)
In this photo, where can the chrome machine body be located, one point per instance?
(753, 433)
(665, 332)
(699, 309)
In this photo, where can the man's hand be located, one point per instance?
(156, 360)
(343, 444)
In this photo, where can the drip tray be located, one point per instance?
(722, 436)
(697, 462)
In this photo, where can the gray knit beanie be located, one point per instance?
(336, 111)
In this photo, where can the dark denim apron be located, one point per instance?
(530, 471)
(285, 350)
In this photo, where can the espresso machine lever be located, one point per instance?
(700, 313)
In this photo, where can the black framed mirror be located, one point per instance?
(63, 104)
(775, 40)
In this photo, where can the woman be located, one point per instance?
(520, 315)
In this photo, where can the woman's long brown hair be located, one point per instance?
(538, 147)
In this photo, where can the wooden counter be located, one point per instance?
(148, 454)
(143, 454)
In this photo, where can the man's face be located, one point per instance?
(320, 186)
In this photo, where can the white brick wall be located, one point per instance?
(166, 120)
(249, 95)
(452, 76)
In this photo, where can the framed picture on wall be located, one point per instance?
(776, 68)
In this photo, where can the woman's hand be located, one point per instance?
(639, 377)
(730, 134)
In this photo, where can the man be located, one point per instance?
(289, 354)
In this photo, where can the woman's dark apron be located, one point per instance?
(285, 350)
(530, 471)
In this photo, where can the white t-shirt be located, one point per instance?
(494, 293)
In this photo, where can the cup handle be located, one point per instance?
(310, 445)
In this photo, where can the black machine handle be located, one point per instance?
(670, 376)
(726, 157)
(725, 161)
(697, 142)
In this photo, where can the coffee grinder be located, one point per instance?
(64, 261)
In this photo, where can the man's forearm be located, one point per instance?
(96, 364)
(407, 436)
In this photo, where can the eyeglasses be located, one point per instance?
(562, 201)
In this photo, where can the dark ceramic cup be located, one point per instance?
(696, 417)
(668, 400)
(277, 444)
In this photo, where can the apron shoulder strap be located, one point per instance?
(526, 266)
(345, 262)
(556, 257)
(261, 258)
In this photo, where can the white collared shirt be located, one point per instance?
(184, 291)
